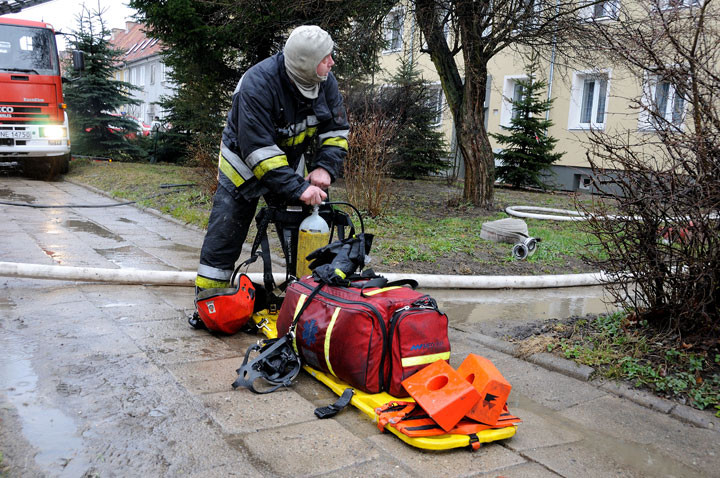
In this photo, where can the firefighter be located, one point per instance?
(279, 107)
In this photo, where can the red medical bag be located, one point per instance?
(372, 338)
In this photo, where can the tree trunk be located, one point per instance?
(473, 141)
(465, 99)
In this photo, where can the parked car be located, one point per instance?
(143, 128)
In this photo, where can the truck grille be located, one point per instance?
(23, 112)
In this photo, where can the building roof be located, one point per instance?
(134, 42)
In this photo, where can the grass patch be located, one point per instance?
(422, 231)
(622, 349)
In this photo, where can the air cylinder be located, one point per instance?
(314, 233)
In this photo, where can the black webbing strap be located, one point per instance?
(335, 408)
(261, 242)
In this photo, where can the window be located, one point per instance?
(512, 91)
(668, 4)
(603, 10)
(141, 75)
(152, 74)
(662, 105)
(435, 102)
(393, 30)
(133, 76)
(588, 102)
(528, 16)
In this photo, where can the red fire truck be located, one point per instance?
(33, 122)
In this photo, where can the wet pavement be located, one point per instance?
(108, 380)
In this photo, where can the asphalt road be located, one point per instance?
(109, 380)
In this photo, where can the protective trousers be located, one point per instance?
(229, 222)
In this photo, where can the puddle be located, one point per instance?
(130, 256)
(183, 248)
(7, 304)
(508, 308)
(10, 195)
(46, 428)
(56, 256)
(91, 228)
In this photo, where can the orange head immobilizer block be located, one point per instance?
(442, 393)
(489, 382)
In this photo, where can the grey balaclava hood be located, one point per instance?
(305, 48)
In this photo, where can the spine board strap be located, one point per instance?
(332, 410)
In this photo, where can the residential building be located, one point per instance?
(584, 98)
(142, 66)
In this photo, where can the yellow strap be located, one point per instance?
(424, 359)
(328, 334)
(380, 291)
(301, 301)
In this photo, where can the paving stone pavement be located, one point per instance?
(108, 380)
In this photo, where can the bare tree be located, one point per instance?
(665, 182)
(462, 36)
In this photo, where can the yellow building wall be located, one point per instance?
(574, 142)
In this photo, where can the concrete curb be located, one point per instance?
(684, 413)
(565, 367)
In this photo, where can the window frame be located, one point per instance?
(589, 12)
(578, 97)
(674, 4)
(507, 112)
(389, 29)
(438, 102)
(649, 102)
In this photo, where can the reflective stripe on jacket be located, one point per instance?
(269, 127)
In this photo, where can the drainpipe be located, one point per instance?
(551, 74)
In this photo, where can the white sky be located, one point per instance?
(62, 14)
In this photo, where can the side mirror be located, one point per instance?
(78, 60)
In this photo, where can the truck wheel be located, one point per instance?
(46, 169)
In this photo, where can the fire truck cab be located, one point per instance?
(34, 134)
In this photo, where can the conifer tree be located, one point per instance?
(527, 149)
(420, 148)
(92, 95)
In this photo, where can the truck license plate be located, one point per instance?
(15, 134)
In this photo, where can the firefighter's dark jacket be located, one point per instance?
(271, 125)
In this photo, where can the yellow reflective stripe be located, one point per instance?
(268, 164)
(328, 334)
(229, 171)
(380, 291)
(424, 359)
(299, 138)
(301, 301)
(206, 283)
(339, 142)
(340, 273)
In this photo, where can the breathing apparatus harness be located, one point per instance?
(277, 362)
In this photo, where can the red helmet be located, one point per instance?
(227, 310)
